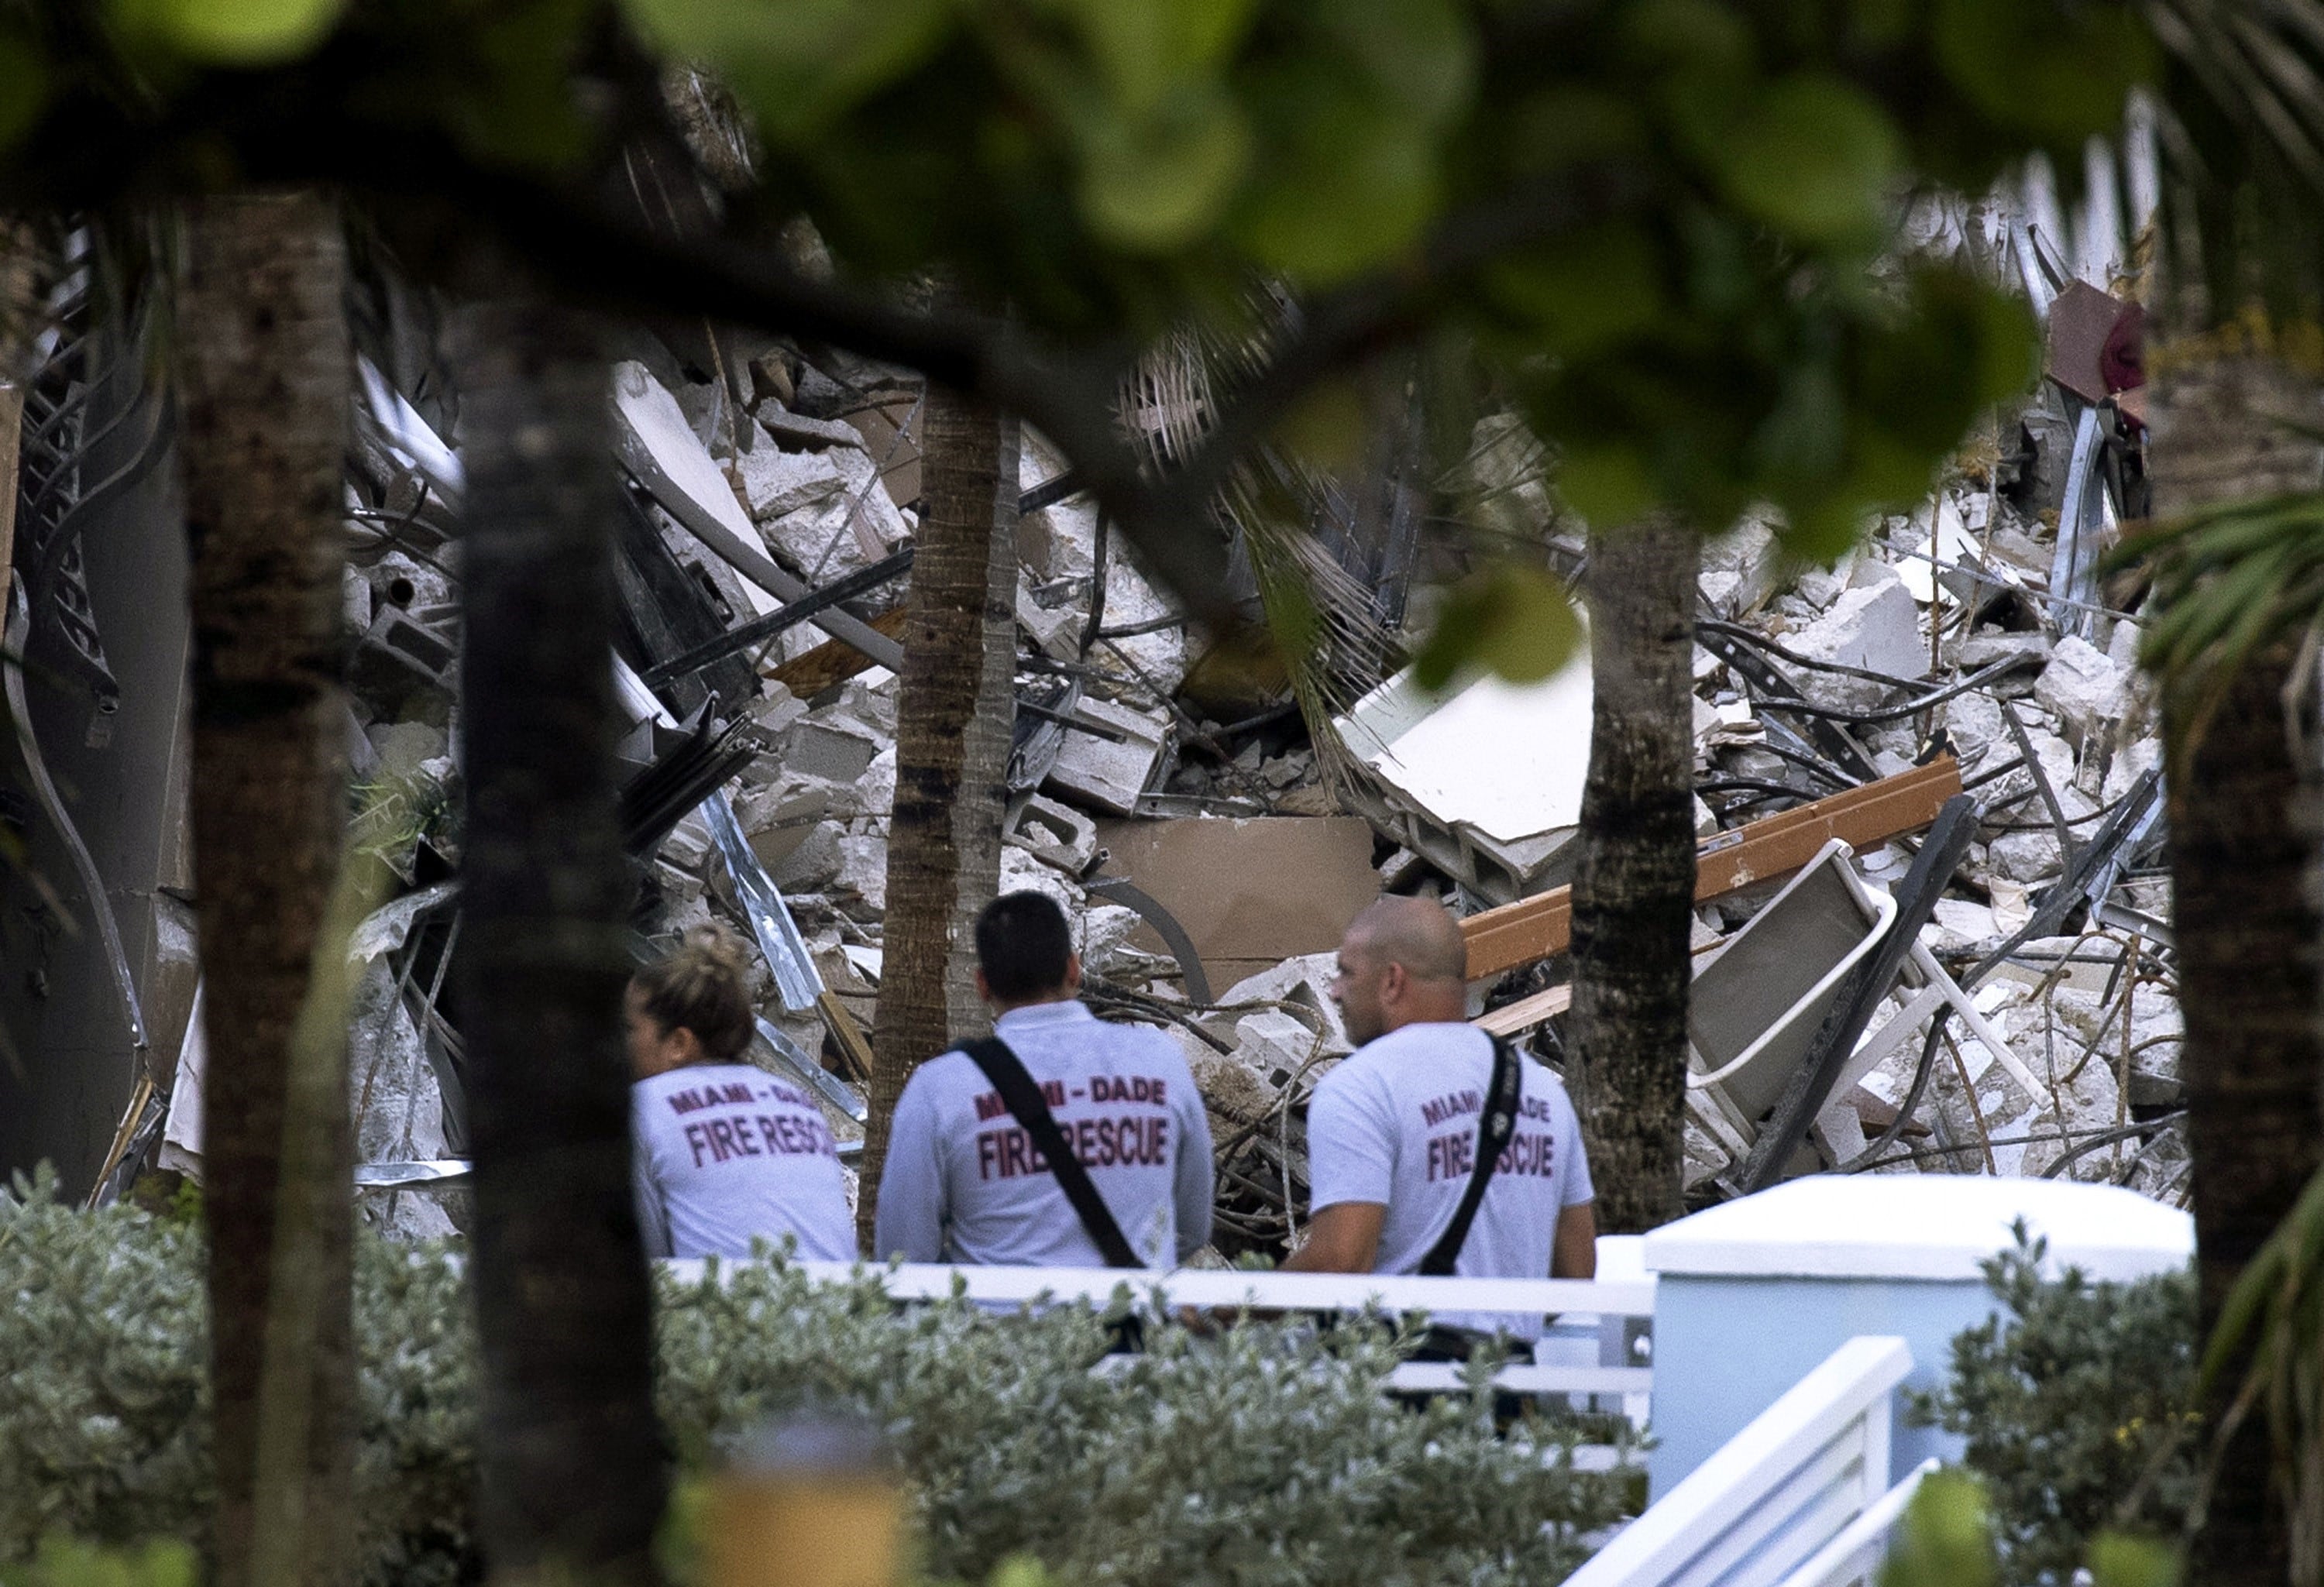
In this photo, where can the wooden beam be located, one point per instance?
(833, 661)
(1774, 846)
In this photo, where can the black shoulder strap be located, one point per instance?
(1023, 1100)
(1498, 1123)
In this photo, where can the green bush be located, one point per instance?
(2073, 1401)
(1264, 1454)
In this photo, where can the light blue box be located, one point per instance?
(1751, 1296)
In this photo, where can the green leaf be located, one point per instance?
(798, 64)
(2120, 1560)
(1422, 53)
(1327, 428)
(1158, 183)
(230, 33)
(1607, 483)
(2059, 70)
(1344, 180)
(1516, 619)
(1145, 51)
(1945, 1538)
(1586, 292)
(24, 90)
(1565, 126)
(1812, 155)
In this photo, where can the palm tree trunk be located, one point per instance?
(265, 371)
(2244, 841)
(1633, 891)
(952, 720)
(570, 1457)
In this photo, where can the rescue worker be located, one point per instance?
(725, 1151)
(1393, 1132)
(966, 1178)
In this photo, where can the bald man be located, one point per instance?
(1392, 1132)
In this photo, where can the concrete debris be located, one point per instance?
(2085, 689)
(1109, 769)
(1257, 834)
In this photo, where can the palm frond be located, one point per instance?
(2229, 582)
(2242, 143)
(2272, 1320)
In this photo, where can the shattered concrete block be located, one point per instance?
(677, 884)
(2024, 857)
(1722, 592)
(354, 600)
(833, 747)
(1102, 933)
(1060, 542)
(1305, 981)
(1021, 873)
(1101, 773)
(1055, 833)
(1281, 771)
(773, 715)
(873, 796)
(1977, 727)
(814, 861)
(776, 820)
(687, 846)
(870, 701)
(876, 511)
(2130, 762)
(1230, 1088)
(863, 869)
(403, 747)
(1981, 650)
(1820, 586)
(1877, 629)
(1056, 630)
(1958, 925)
(777, 482)
(1750, 555)
(1275, 1045)
(2084, 687)
(796, 431)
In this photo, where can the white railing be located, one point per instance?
(1216, 1288)
(1777, 1498)
(1852, 1559)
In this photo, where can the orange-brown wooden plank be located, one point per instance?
(1774, 846)
(833, 661)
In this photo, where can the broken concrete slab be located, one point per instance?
(831, 747)
(798, 430)
(776, 482)
(1055, 833)
(2085, 688)
(1486, 782)
(1104, 774)
(1875, 628)
(1302, 983)
(1021, 873)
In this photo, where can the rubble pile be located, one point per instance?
(1209, 843)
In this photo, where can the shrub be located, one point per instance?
(1263, 1453)
(2073, 1401)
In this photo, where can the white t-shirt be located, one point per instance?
(964, 1184)
(1396, 1124)
(725, 1152)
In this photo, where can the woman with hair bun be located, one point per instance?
(726, 1152)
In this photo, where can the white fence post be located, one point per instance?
(1779, 1491)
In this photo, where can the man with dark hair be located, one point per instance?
(1394, 1132)
(966, 1180)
